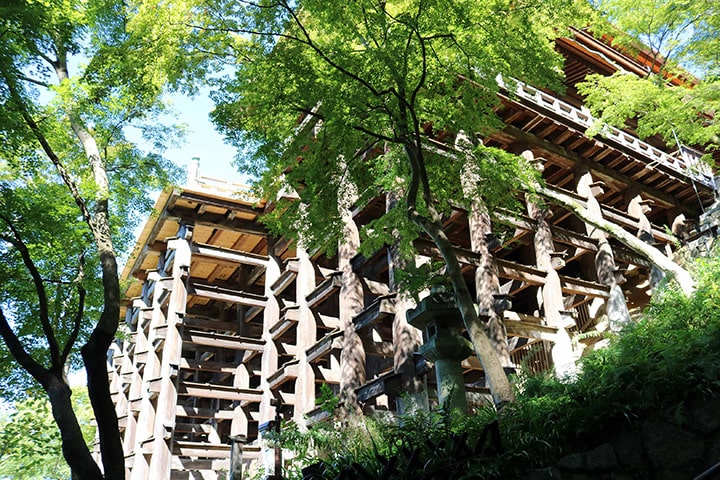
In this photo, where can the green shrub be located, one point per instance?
(656, 363)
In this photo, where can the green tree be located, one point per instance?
(389, 96)
(72, 78)
(677, 37)
(680, 36)
(30, 444)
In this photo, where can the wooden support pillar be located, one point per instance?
(146, 415)
(638, 208)
(134, 391)
(487, 282)
(306, 332)
(160, 463)
(406, 338)
(271, 314)
(352, 356)
(550, 298)
(606, 270)
(240, 420)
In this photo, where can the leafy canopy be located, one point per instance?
(61, 61)
(333, 94)
(681, 36)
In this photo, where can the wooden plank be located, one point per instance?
(289, 317)
(222, 340)
(184, 466)
(330, 341)
(209, 324)
(230, 203)
(560, 235)
(184, 448)
(287, 276)
(211, 413)
(215, 220)
(222, 392)
(226, 256)
(287, 372)
(206, 366)
(578, 286)
(517, 271)
(382, 308)
(530, 330)
(387, 383)
(323, 291)
(227, 295)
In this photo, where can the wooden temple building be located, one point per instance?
(224, 321)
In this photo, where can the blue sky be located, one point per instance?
(202, 140)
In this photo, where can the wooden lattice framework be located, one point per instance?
(222, 318)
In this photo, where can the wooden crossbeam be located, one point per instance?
(517, 271)
(383, 307)
(286, 373)
(222, 392)
(222, 340)
(227, 295)
(201, 449)
(323, 291)
(226, 256)
(216, 220)
(288, 275)
(323, 346)
(196, 412)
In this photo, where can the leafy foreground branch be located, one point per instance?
(664, 361)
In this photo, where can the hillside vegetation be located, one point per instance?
(667, 359)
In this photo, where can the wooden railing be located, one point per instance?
(684, 162)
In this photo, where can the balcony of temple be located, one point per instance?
(674, 178)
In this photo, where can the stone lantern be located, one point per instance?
(443, 344)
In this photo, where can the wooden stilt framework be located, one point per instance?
(224, 320)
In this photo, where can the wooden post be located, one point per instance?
(160, 462)
(616, 305)
(637, 208)
(271, 314)
(306, 332)
(487, 282)
(406, 338)
(146, 416)
(352, 356)
(240, 420)
(550, 297)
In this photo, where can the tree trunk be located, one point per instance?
(497, 380)
(94, 353)
(649, 253)
(74, 448)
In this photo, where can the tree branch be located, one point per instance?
(43, 313)
(77, 320)
(648, 252)
(35, 81)
(19, 353)
(40, 137)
